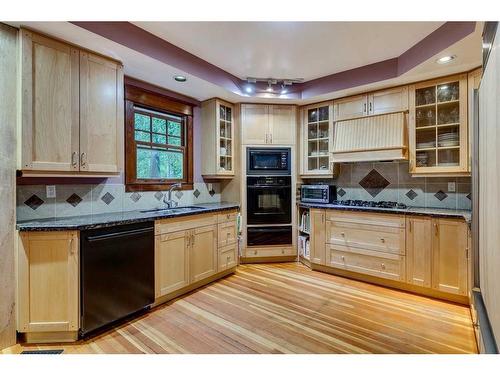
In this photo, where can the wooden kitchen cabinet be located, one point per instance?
(49, 104)
(203, 253)
(48, 285)
(438, 127)
(171, 262)
(419, 250)
(71, 109)
(101, 114)
(317, 238)
(268, 124)
(375, 103)
(317, 135)
(217, 132)
(449, 256)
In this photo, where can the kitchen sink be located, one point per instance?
(176, 209)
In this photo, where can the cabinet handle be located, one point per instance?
(188, 241)
(71, 246)
(370, 106)
(364, 108)
(342, 234)
(343, 258)
(192, 239)
(282, 251)
(383, 266)
(322, 218)
(74, 157)
(255, 252)
(436, 229)
(83, 159)
(409, 225)
(271, 138)
(382, 240)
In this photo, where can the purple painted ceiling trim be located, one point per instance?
(440, 39)
(144, 42)
(432, 44)
(140, 40)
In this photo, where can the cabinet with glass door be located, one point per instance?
(217, 139)
(317, 131)
(438, 127)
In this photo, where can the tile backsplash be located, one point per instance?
(390, 181)
(76, 200)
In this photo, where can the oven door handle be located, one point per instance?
(268, 186)
(269, 229)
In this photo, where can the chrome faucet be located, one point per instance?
(170, 202)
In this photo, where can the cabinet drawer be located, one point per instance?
(257, 252)
(175, 224)
(227, 257)
(393, 269)
(348, 236)
(367, 218)
(227, 216)
(227, 233)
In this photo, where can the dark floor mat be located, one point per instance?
(55, 351)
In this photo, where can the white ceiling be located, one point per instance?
(291, 49)
(140, 66)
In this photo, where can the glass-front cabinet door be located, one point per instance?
(316, 140)
(438, 127)
(217, 139)
(225, 145)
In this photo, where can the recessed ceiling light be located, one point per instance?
(249, 89)
(446, 59)
(180, 78)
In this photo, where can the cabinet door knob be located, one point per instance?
(382, 240)
(343, 258)
(383, 266)
(255, 252)
(342, 234)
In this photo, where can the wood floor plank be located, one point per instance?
(287, 308)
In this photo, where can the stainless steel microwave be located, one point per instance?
(320, 193)
(269, 161)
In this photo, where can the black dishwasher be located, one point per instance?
(116, 273)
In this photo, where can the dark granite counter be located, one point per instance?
(118, 218)
(423, 211)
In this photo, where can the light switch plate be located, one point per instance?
(50, 191)
(451, 187)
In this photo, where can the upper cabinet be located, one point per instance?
(268, 124)
(71, 109)
(376, 103)
(316, 133)
(438, 127)
(218, 139)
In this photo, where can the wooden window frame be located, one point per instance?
(139, 97)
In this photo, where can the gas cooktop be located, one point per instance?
(379, 204)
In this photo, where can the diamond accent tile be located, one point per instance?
(469, 196)
(196, 193)
(34, 202)
(74, 199)
(211, 192)
(179, 194)
(441, 195)
(107, 198)
(341, 192)
(411, 194)
(159, 195)
(135, 197)
(374, 183)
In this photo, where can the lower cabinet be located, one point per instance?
(449, 256)
(419, 250)
(171, 262)
(48, 286)
(192, 249)
(203, 253)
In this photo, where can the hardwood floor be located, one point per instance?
(287, 308)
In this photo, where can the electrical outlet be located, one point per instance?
(50, 191)
(451, 187)
(209, 186)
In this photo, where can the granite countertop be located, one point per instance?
(427, 211)
(117, 218)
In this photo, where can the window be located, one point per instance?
(158, 142)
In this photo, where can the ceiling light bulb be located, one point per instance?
(180, 78)
(249, 89)
(445, 59)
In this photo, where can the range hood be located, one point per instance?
(374, 138)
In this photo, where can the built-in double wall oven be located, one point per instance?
(269, 196)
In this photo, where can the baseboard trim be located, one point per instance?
(290, 258)
(48, 337)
